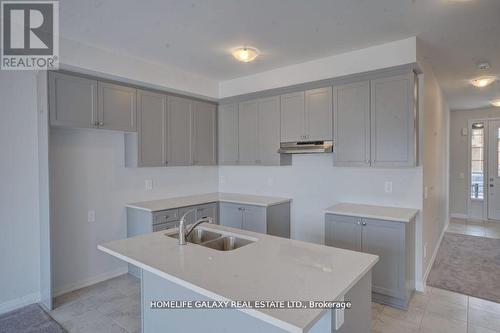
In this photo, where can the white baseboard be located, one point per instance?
(19, 302)
(459, 216)
(423, 284)
(89, 281)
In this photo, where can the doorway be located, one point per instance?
(484, 169)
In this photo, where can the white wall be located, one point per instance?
(435, 156)
(314, 184)
(88, 173)
(19, 227)
(376, 57)
(459, 189)
(84, 58)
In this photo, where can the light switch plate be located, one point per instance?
(388, 187)
(91, 216)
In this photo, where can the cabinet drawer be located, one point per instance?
(166, 216)
(165, 226)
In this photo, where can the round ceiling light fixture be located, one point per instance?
(495, 103)
(483, 81)
(245, 54)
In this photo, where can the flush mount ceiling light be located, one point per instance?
(245, 54)
(483, 81)
(495, 103)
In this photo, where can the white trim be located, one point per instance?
(19, 302)
(88, 282)
(459, 216)
(421, 286)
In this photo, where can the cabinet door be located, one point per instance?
(204, 150)
(393, 121)
(254, 219)
(208, 210)
(248, 123)
(151, 128)
(269, 131)
(231, 215)
(293, 117)
(343, 232)
(386, 239)
(228, 134)
(318, 106)
(351, 109)
(179, 133)
(117, 107)
(73, 101)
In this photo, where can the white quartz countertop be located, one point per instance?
(243, 199)
(396, 214)
(271, 268)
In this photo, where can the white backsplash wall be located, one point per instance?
(314, 184)
(88, 173)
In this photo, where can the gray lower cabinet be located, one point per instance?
(393, 276)
(72, 101)
(375, 122)
(228, 134)
(140, 222)
(117, 107)
(180, 131)
(204, 134)
(273, 220)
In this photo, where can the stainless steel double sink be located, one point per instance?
(214, 240)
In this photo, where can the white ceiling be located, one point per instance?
(197, 35)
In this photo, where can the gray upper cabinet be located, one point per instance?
(318, 107)
(248, 129)
(269, 131)
(204, 139)
(117, 107)
(152, 128)
(228, 134)
(293, 122)
(375, 122)
(351, 121)
(73, 101)
(259, 133)
(179, 131)
(307, 116)
(393, 121)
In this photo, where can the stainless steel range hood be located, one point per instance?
(310, 147)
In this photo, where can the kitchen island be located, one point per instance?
(261, 268)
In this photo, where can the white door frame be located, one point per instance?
(485, 163)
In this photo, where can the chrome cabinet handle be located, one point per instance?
(358, 222)
(364, 223)
(96, 123)
(101, 123)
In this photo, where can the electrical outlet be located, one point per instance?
(426, 192)
(388, 187)
(91, 216)
(270, 181)
(425, 250)
(149, 184)
(222, 180)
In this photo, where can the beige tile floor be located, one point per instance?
(113, 306)
(490, 229)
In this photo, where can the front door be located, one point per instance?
(493, 180)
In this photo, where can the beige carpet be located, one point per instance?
(469, 265)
